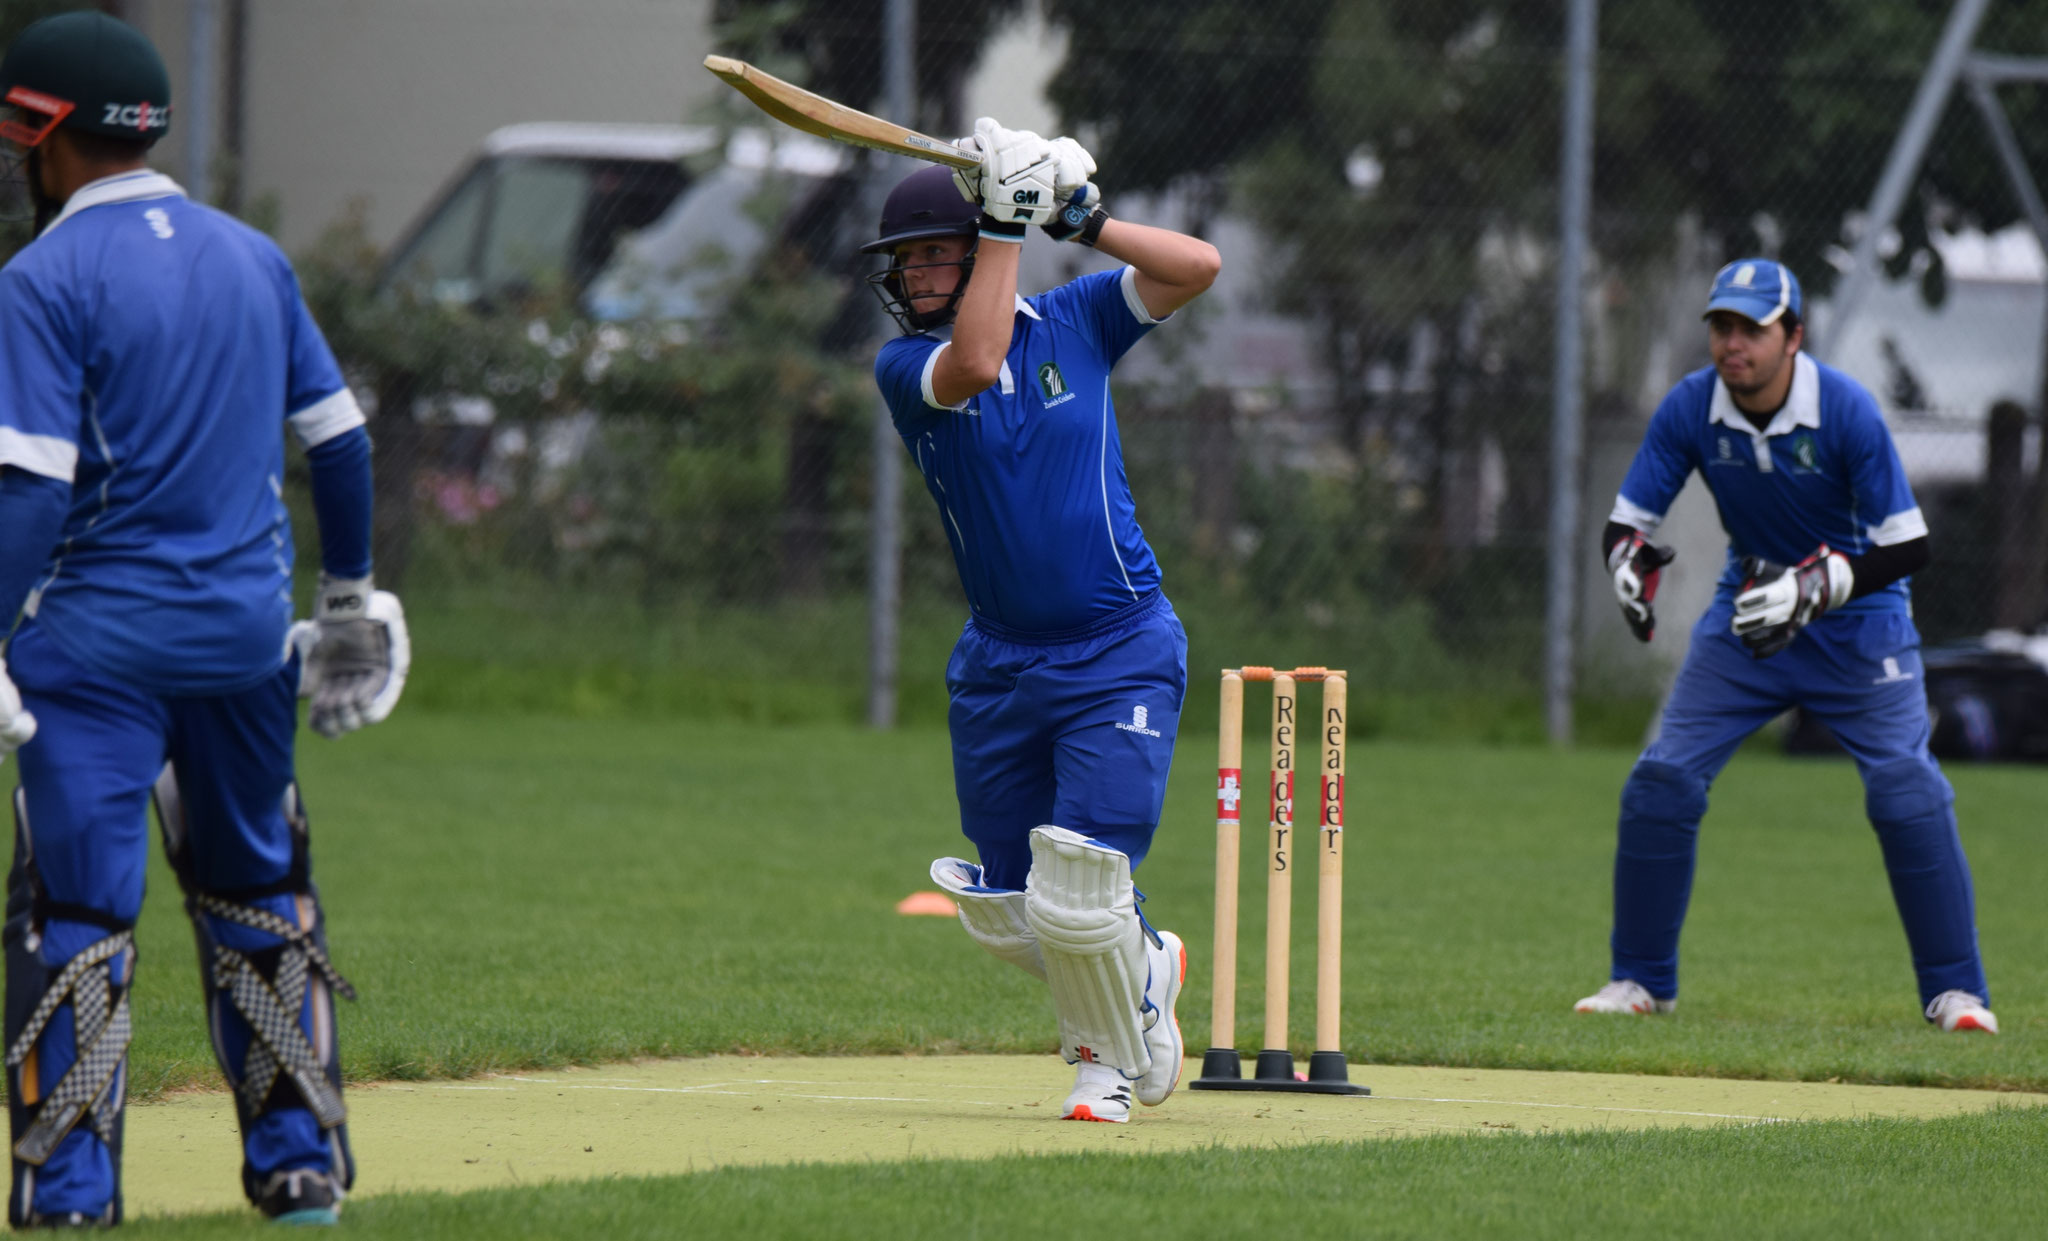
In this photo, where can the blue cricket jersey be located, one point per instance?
(151, 351)
(1029, 474)
(1824, 470)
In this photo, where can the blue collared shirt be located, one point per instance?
(1029, 474)
(1824, 470)
(152, 351)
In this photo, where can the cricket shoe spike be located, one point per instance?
(1100, 1093)
(1168, 960)
(1623, 995)
(1959, 1010)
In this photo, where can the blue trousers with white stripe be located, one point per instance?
(1859, 674)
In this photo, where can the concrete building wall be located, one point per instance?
(382, 99)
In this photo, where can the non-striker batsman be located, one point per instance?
(152, 353)
(1067, 681)
(1812, 610)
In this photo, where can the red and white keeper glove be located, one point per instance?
(1637, 565)
(1778, 601)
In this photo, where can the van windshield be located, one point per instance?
(521, 225)
(677, 266)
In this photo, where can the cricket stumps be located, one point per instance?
(1274, 1069)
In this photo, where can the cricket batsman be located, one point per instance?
(1812, 611)
(152, 352)
(1067, 681)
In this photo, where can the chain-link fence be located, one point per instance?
(620, 382)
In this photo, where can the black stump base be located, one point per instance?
(1274, 1071)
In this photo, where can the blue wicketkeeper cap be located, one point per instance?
(1759, 290)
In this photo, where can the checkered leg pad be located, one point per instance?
(101, 1029)
(272, 1005)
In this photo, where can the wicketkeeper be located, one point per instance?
(1812, 611)
(152, 352)
(1067, 682)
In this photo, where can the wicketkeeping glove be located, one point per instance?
(1777, 602)
(1638, 565)
(17, 726)
(356, 653)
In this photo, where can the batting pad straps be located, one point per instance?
(271, 1002)
(993, 916)
(1080, 903)
(100, 1034)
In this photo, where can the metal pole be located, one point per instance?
(195, 111)
(2010, 155)
(1903, 162)
(885, 552)
(1575, 192)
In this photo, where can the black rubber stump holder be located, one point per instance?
(1274, 1071)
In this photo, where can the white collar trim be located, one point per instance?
(1024, 308)
(122, 187)
(1801, 408)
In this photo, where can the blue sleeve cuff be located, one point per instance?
(341, 502)
(32, 510)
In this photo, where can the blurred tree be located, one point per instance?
(1404, 154)
(834, 47)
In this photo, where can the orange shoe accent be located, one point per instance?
(938, 904)
(1083, 1112)
(1967, 1022)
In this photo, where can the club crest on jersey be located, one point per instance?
(1053, 384)
(1805, 456)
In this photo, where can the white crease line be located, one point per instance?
(714, 1088)
(891, 1098)
(1584, 1107)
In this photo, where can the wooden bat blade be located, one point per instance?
(814, 114)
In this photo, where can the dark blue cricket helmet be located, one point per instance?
(924, 204)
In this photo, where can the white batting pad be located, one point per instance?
(1079, 900)
(993, 916)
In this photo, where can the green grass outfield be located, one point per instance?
(521, 891)
(1976, 1176)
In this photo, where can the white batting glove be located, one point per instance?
(968, 180)
(1072, 166)
(1015, 180)
(17, 725)
(355, 655)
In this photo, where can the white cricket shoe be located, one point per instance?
(1100, 1093)
(1168, 960)
(1623, 995)
(1959, 1010)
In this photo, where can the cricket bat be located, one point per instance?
(814, 114)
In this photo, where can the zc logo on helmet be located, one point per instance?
(142, 116)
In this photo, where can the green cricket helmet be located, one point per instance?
(85, 71)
